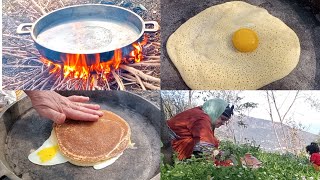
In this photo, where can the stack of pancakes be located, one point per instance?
(89, 143)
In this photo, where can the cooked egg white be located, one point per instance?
(106, 163)
(48, 154)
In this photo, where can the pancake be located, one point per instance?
(203, 48)
(88, 143)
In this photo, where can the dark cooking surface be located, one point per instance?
(30, 131)
(305, 76)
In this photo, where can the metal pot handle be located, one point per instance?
(24, 25)
(155, 24)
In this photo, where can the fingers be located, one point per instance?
(82, 99)
(77, 109)
(75, 98)
(55, 116)
(59, 118)
(83, 108)
(90, 106)
(80, 115)
(58, 108)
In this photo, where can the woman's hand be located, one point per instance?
(52, 105)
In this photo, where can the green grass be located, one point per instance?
(275, 166)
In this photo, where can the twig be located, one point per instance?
(45, 81)
(34, 60)
(140, 82)
(62, 87)
(149, 73)
(107, 83)
(119, 81)
(56, 82)
(60, 84)
(152, 57)
(14, 55)
(147, 85)
(31, 10)
(130, 83)
(147, 46)
(152, 61)
(150, 86)
(43, 12)
(139, 73)
(128, 77)
(18, 37)
(47, 4)
(11, 84)
(69, 85)
(35, 78)
(88, 83)
(144, 64)
(6, 48)
(155, 43)
(93, 83)
(61, 3)
(19, 66)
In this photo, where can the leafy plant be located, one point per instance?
(275, 166)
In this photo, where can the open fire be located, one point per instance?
(77, 66)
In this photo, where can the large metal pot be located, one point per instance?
(21, 129)
(88, 30)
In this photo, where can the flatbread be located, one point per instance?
(88, 143)
(202, 49)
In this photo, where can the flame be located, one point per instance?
(76, 66)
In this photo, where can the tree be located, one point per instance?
(190, 101)
(295, 138)
(272, 120)
(281, 115)
(314, 102)
(174, 102)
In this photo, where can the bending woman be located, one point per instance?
(192, 131)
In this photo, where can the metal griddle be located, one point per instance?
(305, 76)
(21, 130)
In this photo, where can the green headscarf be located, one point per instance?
(214, 108)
